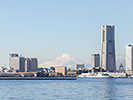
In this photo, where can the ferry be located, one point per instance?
(94, 75)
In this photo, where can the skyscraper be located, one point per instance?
(17, 62)
(108, 60)
(95, 60)
(129, 59)
(31, 64)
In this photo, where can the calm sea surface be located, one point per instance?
(81, 89)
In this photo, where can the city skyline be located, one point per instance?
(66, 28)
(66, 49)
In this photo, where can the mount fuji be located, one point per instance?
(62, 60)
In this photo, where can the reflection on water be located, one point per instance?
(108, 91)
(81, 89)
(115, 89)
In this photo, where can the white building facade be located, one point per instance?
(129, 59)
(22, 64)
(17, 63)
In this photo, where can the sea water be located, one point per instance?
(80, 89)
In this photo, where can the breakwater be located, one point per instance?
(38, 78)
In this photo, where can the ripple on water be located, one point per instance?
(81, 89)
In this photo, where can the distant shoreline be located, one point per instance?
(38, 78)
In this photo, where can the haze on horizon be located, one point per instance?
(48, 28)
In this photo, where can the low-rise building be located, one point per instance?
(62, 70)
(80, 66)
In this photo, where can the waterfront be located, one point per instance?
(38, 78)
(81, 89)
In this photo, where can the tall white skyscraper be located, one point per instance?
(129, 59)
(108, 60)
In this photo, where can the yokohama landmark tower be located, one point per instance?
(108, 60)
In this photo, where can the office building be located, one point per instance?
(108, 60)
(95, 60)
(27, 65)
(129, 59)
(17, 62)
(31, 64)
(22, 64)
(62, 70)
(14, 55)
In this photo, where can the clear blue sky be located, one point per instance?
(48, 28)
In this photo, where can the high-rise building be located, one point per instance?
(14, 55)
(22, 64)
(17, 63)
(31, 64)
(27, 65)
(34, 64)
(95, 60)
(129, 59)
(108, 60)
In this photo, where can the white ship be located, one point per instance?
(95, 75)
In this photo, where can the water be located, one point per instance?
(81, 89)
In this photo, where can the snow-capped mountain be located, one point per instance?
(62, 60)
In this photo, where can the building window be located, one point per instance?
(103, 35)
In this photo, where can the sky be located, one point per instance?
(48, 28)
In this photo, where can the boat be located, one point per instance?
(85, 75)
(95, 75)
